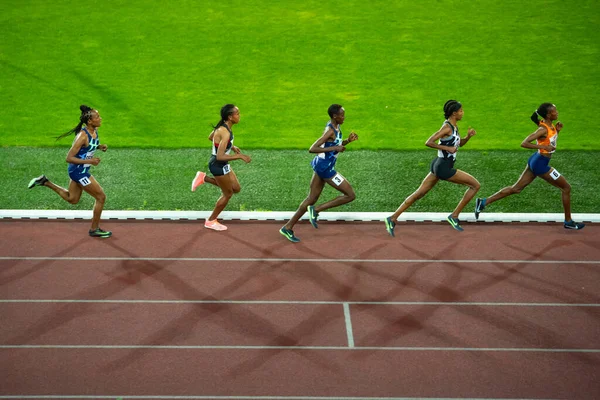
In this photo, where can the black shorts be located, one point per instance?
(443, 168)
(218, 168)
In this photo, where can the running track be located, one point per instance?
(171, 310)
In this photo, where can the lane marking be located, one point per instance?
(305, 302)
(348, 321)
(305, 260)
(321, 348)
(124, 397)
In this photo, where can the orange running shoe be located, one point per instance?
(215, 225)
(198, 180)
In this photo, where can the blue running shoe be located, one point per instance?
(312, 216)
(574, 225)
(289, 234)
(479, 206)
(455, 223)
(389, 226)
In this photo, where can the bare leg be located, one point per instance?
(72, 195)
(525, 179)
(316, 187)
(347, 196)
(565, 188)
(463, 178)
(229, 185)
(95, 190)
(427, 184)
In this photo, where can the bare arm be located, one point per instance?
(351, 138)
(432, 141)
(316, 146)
(541, 131)
(222, 136)
(470, 133)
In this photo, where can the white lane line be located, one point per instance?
(304, 302)
(321, 348)
(304, 260)
(124, 397)
(349, 332)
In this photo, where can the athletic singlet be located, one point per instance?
(330, 156)
(550, 139)
(450, 141)
(215, 146)
(85, 153)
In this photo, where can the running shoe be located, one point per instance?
(98, 232)
(39, 181)
(289, 234)
(455, 223)
(215, 225)
(198, 180)
(389, 226)
(574, 225)
(479, 206)
(312, 216)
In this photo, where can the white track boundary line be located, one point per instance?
(302, 302)
(348, 322)
(302, 260)
(285, 215)
(312, 348)
(165, 397)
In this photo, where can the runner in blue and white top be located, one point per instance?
(81, 157)
(442, 167)
(327, 148)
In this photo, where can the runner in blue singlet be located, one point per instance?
(80, 158)
(327, 148)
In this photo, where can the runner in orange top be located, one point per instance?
(546, 136)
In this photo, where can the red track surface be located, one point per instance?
(278, 327)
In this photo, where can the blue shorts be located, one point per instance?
(80, 175)
(323, 169)
(538, 164)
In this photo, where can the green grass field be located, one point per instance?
(159, 72)
(159, 179)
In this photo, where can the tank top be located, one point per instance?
(450, 141)
(215, 145)
(86, 152)
(550, 139)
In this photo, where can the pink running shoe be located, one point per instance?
(198, 180)
(215, 225)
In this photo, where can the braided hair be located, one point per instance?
(451, 107)
(86, 115)
(226, 111)
(542, 111)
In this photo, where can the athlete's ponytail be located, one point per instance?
(451, 107)
(541, 112)
(86, 115)
(226, 111)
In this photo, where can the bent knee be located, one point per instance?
(351, 196)
(236, 189)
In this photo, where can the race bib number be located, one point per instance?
(226, 169)
(85, 181)
(555, 174)
(337, 179)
